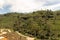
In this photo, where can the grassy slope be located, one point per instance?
(9, 19)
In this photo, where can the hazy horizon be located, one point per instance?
(28, 5)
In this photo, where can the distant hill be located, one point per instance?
(44, 24)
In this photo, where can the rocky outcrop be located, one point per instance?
(9, 35)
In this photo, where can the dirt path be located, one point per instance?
(27, 37)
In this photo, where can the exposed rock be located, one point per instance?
(9, 35)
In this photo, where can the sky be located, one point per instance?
(28, 5)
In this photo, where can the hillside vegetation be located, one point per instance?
(44, 24)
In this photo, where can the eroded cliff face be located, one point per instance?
(7, 34)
